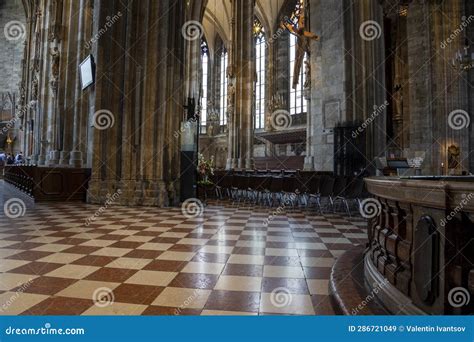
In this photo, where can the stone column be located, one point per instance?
(309, 159)
(143, 89)
(241, 130)
(76, 154)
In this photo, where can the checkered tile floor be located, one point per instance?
(153, 261)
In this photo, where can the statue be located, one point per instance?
(55, 60)
(398, 100)
(453, 157)
(307, 75)
(230, 99)
(304, 37)
(212, 119)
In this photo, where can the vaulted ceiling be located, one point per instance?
(218, 14)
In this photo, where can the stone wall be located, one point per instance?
(327, 79)
(12, 15)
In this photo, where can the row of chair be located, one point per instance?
(298, 190)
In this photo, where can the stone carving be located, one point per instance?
(34, 88)
(307, 75)
(55, 59)
(398, 100)
(230, 98)
(212, 119)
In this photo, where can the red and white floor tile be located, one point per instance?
(155, 261)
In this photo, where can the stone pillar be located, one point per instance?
(76, 153)
(137, 153)
(309, 159)
(241, 127)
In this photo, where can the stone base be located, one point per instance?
(76, 159)
(128, 192)
(348, 292)
(308, 164)
(53, 158)
(41, 160)
(64, 158)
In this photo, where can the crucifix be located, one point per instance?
(304, 37)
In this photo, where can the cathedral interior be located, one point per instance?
(260, 157)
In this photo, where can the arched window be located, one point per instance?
(260, 46)
(298, 103)
(205, 73)
(223, 88)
